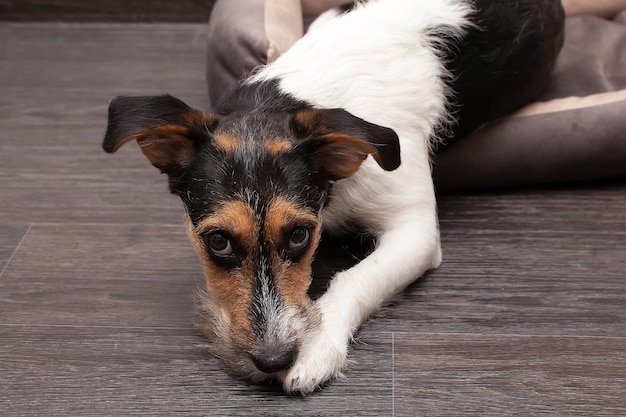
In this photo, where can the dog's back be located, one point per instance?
(504, 60)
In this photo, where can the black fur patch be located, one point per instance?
(504, 62)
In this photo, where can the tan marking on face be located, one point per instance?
(234, 217)
(276, 146)
(310, 120)
(226, 142)
(231, 287)
(292, 279)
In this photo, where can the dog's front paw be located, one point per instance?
(321, 360)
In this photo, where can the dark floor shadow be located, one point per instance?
(336, 254)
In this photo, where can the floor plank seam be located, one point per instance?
(393, 374)
(17, 247)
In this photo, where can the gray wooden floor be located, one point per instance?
(526, 316)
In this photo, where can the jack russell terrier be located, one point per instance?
(338, 132)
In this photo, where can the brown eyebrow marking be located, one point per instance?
(276, 146)
(283, 213)
(310, 120)
(234, 217)
(227, 143)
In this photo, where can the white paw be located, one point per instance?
(321, 359)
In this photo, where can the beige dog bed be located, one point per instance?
(575, 131)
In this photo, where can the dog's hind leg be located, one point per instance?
(404, 252)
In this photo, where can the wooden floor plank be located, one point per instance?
(72, 108)
(528, 283)
(96, 275)
(61, 174)
(105, 371)
(103, 58)
(595, 206)
(443, 375)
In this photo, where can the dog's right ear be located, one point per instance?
(339, 142)
(168, 131)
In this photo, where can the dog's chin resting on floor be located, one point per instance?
(338, 131)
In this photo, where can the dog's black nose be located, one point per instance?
(274, 358)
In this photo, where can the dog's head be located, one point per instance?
(253, 184)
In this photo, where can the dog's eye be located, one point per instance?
(299, 239)
(219, 244)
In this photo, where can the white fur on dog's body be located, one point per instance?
(379, 63)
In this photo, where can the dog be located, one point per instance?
(337, 133)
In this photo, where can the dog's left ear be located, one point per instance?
(167, 130)
(339, 142)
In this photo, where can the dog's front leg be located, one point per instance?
(403, 253)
